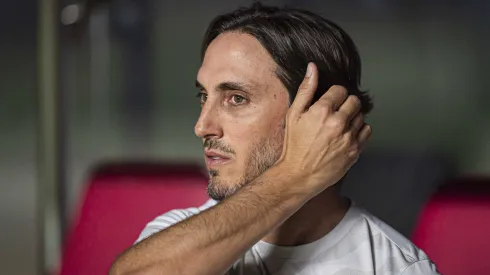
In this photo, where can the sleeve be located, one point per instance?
(422, 267)
(161, 222)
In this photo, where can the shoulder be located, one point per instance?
(422, 267)
(390, 244)
(170, 218)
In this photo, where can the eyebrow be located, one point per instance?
(229, 86)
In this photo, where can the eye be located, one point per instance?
(202, 97)
(238, 100)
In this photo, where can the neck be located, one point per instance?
(312, 221)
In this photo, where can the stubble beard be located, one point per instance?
(263, 155)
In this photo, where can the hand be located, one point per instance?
(324, 140)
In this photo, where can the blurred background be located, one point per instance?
(90, 82)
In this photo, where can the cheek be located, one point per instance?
(244, 125)
(243, 129)
(245, 137)
(277, 139)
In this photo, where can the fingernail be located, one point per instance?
(309, 70)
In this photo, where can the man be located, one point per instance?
(276, 142)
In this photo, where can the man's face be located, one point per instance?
(243, 111)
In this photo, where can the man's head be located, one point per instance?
(254, 60)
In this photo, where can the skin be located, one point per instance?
(277, 164)
(250, 121)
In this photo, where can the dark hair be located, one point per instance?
(293, 38)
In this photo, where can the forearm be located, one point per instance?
(210, 242)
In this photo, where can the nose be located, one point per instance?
(208, 124)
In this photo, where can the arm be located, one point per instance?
(210, 242)
(320, 146)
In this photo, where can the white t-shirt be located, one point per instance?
(360, 244)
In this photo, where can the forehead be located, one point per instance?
(237, 57)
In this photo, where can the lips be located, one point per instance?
(214, 158)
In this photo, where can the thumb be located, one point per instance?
(306, 90)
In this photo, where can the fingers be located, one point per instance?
(356, 124)
(351, 107)
(334, 97)
(306, 90)
(364, 134)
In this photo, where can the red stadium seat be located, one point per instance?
(119, 201)
(454, 228)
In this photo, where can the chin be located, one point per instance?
(220, 188)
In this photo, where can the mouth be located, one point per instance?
(214, 158)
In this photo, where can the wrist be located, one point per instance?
(291, 182)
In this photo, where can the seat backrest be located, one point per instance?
(119, 201)
(454, 227)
